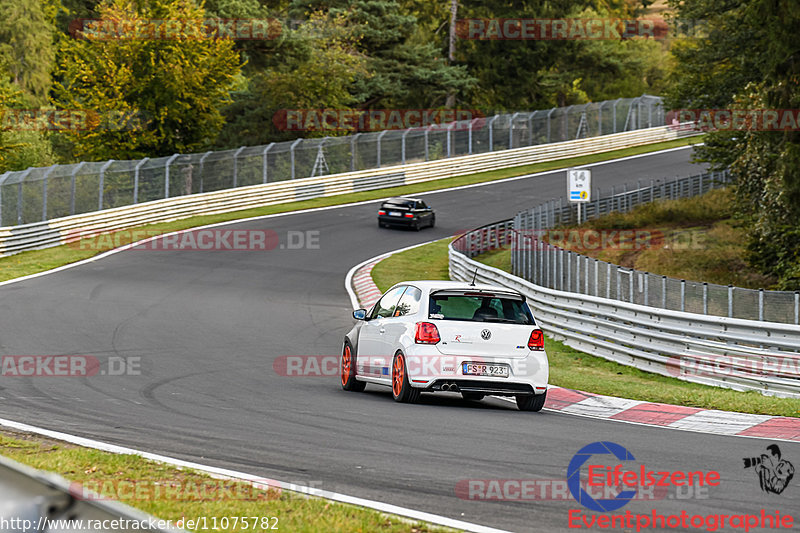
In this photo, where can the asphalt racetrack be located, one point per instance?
(201, 330)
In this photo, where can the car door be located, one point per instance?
(425, 212)
(372, 356)
(398, 324)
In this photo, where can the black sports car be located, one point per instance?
(408, 212)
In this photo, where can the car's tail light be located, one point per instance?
(536, 340)
(426, 333)
(381, 212)
(409, 215)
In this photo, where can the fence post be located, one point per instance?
(569, 270)
(663, 292)
(511, 131)
(730, 301)
(136, 176)
(596, 284)
(491, 132)
(646, 278)
(683, 295)
(3, 178)
(450, 139)
(236, 166)
(264, 162)
(530, 128)
(102, 184)
(608, 281)
(761, 305)
(72, 187)
(291, 155)
(378, 148)
(549, 121)
(797, 307)
(403, 144)
(353, 139)
(166, 174)
(705, 298)
(44, 191)
(631, 275)
(614, 112)
(619, 283)
(565, 130)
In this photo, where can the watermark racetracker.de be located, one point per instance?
(68, 366)
(202, 240)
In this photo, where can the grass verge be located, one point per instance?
(173, 494)
(35, 261)
(573, 369)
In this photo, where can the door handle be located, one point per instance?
(382, 331)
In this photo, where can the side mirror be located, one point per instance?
(360, 314)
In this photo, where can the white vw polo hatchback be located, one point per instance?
(428, 336)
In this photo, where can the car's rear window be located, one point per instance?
(474, 307)
(398, 205)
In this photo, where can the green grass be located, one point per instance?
(695, 239)
(35, 261)
(573, 369)
(170, 493)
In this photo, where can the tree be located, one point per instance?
(152, 96)
(26, 37)
(750, 59)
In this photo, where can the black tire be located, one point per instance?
(472, 396)
(402, 391)
(531, 402)
(416, 226)
(347, 370)
(433, 221)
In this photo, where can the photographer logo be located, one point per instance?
(774, 473)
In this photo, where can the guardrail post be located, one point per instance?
(705, 298)
(236, 166)
(378, 147)
(491, 132)
(291, 155)
(44, 192)
(683, 295)
(166, 174)
(761, 305)
(403, 144)
(511, 131)
(136, 176)
(72, 187)
(102, 184)
(353, 139)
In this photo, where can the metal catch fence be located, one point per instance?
(41, 194)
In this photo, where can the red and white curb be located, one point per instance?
(363, 291)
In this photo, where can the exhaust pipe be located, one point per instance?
(446, 387)
(452, 387)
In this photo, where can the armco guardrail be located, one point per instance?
(31, 500)
(47, 193)
(58, 231)
(720, 351)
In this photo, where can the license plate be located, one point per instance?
(395, 214)
(482, 369)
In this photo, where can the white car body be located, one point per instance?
(496, 349)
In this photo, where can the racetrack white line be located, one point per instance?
(260, 481)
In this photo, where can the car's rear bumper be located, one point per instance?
(397, 221)
(497, 388)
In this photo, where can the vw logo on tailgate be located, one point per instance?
(486, 334)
